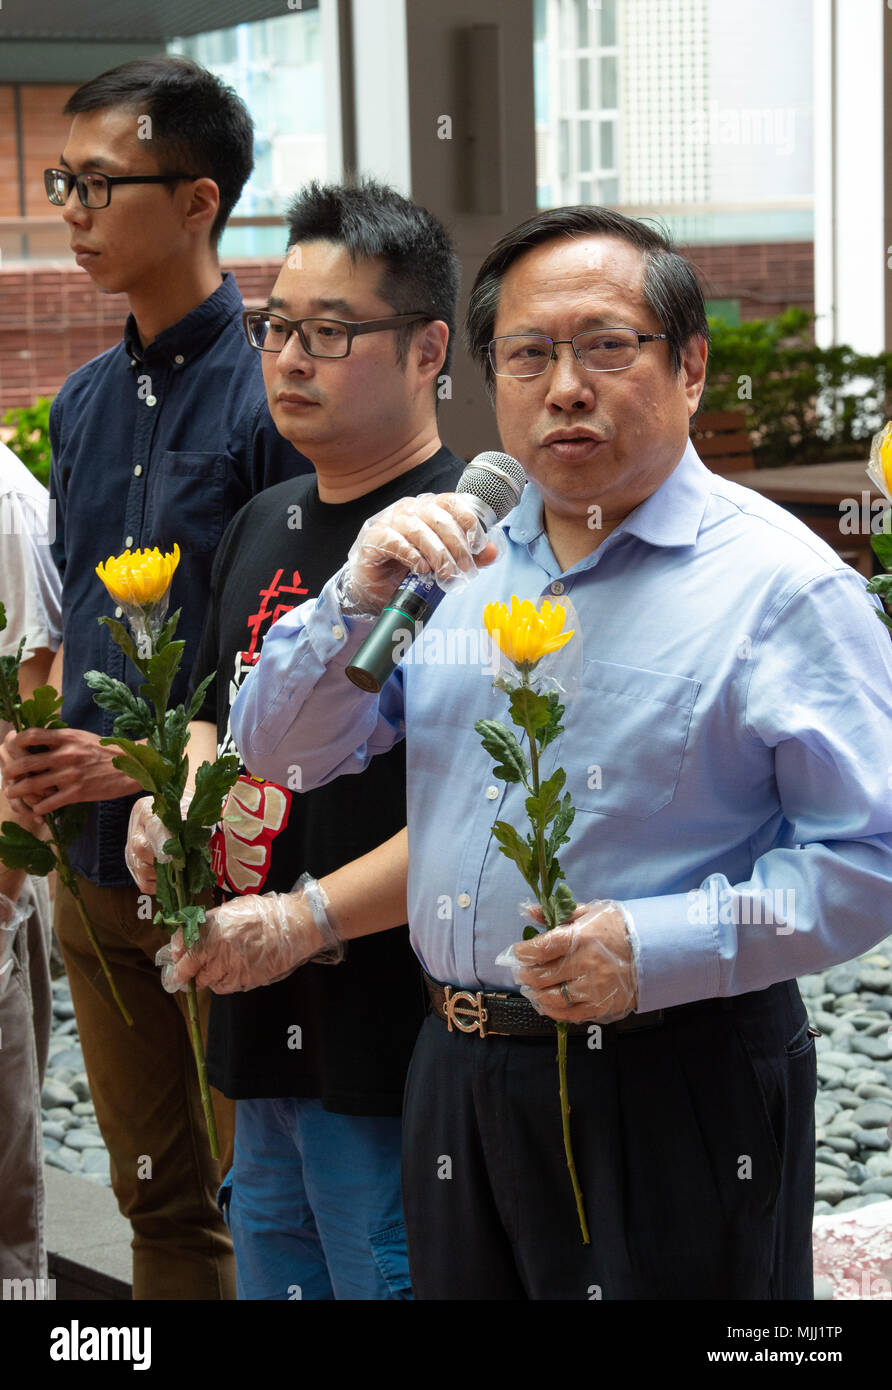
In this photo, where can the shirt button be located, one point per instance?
(557, 587)
(133, 361)
(151, 400)
(337, 631)
(464, 900)
(492, 793)
(179, 359)
(128, 542)
(137, 472)
(119, 612)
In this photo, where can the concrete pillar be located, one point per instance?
(443, 102)
(853, 173)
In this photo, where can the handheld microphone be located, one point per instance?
(491, 484)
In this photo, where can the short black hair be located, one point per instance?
(373, 221)
(670, 287)
(198, 124)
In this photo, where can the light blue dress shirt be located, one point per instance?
(728, 749)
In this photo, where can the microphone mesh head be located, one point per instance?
(497, 479)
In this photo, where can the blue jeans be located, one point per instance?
(313, 1203)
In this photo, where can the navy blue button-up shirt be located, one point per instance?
(151, 446)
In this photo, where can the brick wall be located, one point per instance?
(52, 318)
(766, 277)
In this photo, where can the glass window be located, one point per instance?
(585, 86)
(582, 27)
(563, 148)
(585, 190)
(609, 191)
(608, 144)
(608, 23)
(608, 83)
(585, 146)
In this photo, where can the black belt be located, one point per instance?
(512, 1015)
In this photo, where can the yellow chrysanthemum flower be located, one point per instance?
(139, 579)
(524, 633)
(880, 466)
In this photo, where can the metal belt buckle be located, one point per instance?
(476, 1014)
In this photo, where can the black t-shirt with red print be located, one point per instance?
(343, 1034)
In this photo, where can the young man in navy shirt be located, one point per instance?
(159, 440)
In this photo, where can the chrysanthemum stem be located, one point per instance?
(195, 1032)
(565, 1125)
(548, 914)
(66, 874)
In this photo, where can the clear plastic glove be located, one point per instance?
(584, 970)
(146, 835)
(433, 533)
(254, 940)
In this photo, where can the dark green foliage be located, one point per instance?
(19, 849)
(788, 374)
(31, 441)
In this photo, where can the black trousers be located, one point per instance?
(694, 1144)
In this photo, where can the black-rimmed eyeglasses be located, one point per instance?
(599, 350)
(94, 190)
(270, 332)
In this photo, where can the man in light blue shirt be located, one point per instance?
(727, 747)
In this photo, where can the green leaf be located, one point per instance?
(212, 782)
(2, 618)
(167, 898)
(122, 637)
(881, 542)
(134, 716)
(197, 700)
(70, 822)
(19, 849)
(880, 584)
(501, 745)
(530, 932)
(117, 697)
(554, 727)
(144, 763)
(200, 877)
(564, 902)
(562, 822)
(519, 851)
(39, 712)
(528, 710)
(191, 916)
(175, 732)
(167, 631)
(884, 618)
(160, 671)
(543, 808)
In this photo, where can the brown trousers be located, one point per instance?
(145, 1090)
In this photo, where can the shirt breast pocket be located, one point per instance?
(186, 501)
(633, 726)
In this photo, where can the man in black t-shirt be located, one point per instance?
(317, 1062)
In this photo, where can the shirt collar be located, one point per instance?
(186, 339)
(670, 516)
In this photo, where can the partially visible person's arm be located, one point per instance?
(38, 670)
(257, 939)
(296, 706)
